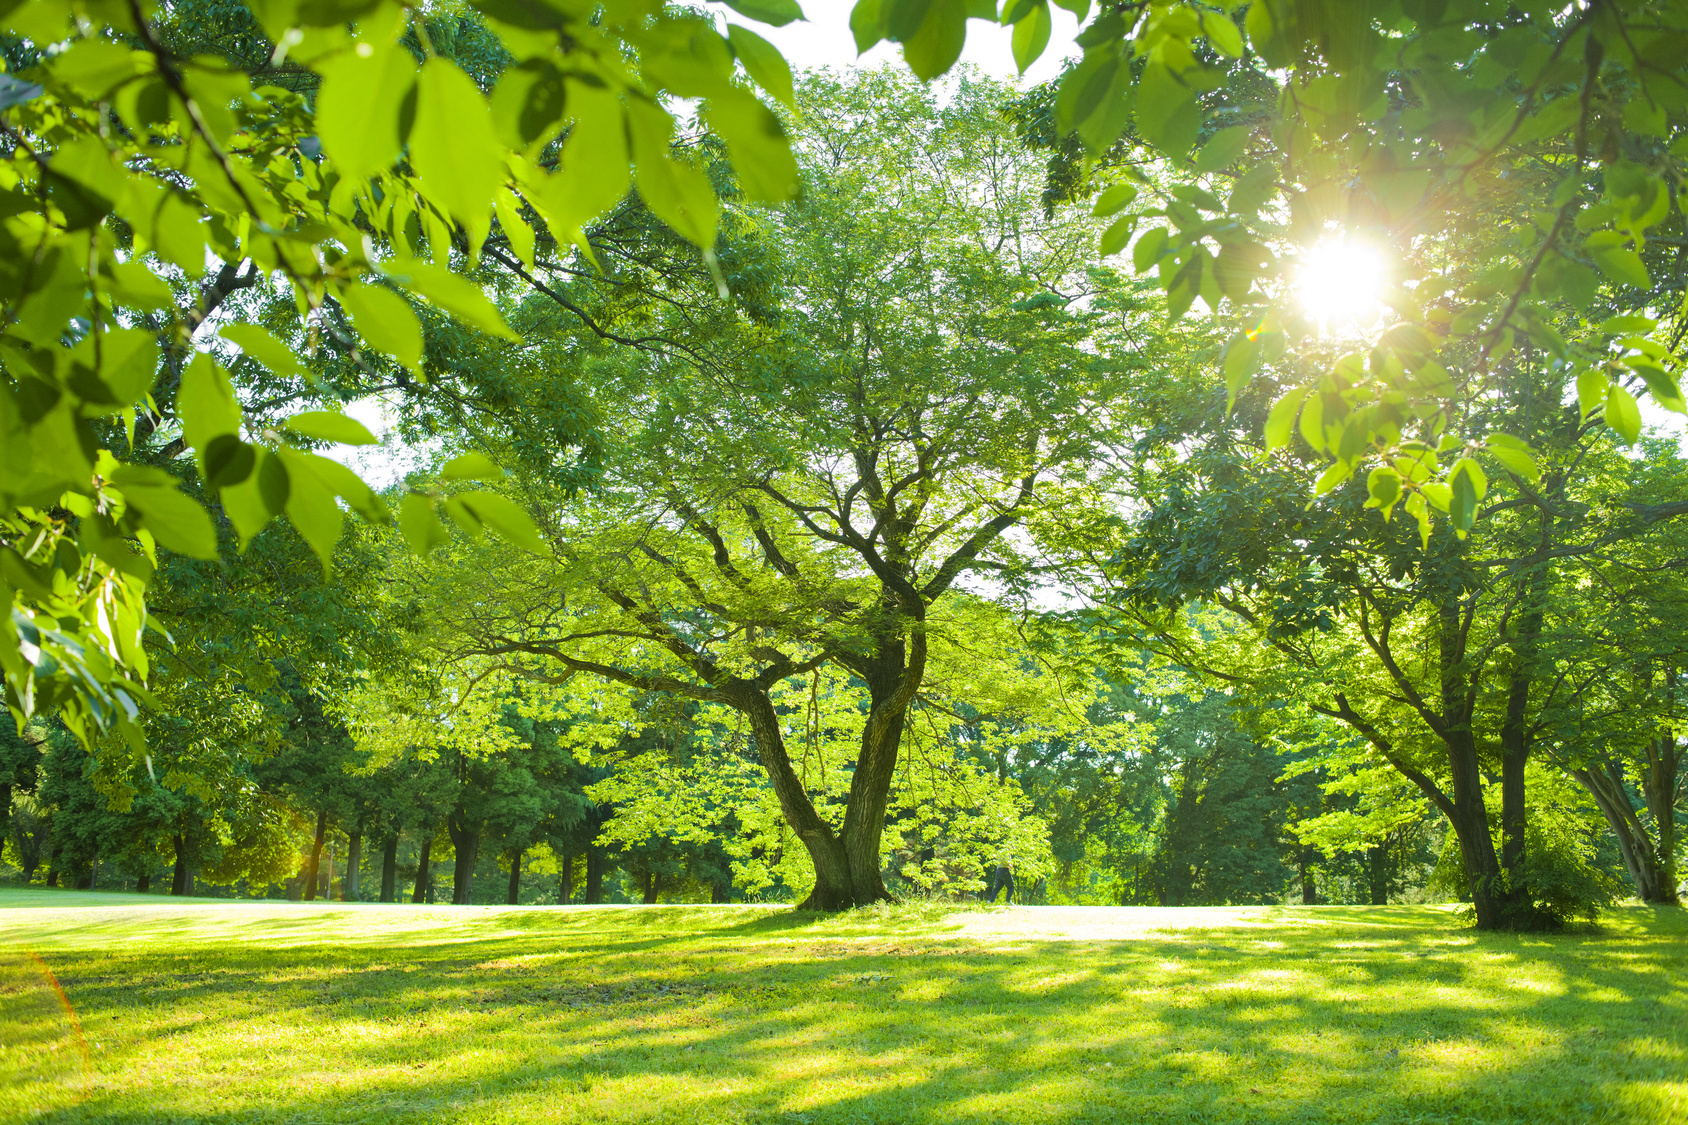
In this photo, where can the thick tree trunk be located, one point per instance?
(181, 880)
(143, 884)
(893, 676)
(515, 879)
(1658, 788)
(354, 861)
(720, 893)
(389, 868)
(315, 868)
(1467, 813)
(565, 881)
(1309, 885)
(595, 866)
(653, 884)
(1377, 873)
(424, 870)
(467, 842)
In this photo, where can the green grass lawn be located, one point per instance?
(219, 1011)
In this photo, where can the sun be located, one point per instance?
(1339, 283)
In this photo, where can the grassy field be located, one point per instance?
(218, 1011)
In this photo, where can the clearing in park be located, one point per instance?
(256, 1011)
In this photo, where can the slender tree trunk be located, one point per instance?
(5, 809)
(595, 874)
(1648, 870)
(565, 881)
(53, 865)
(354, 860)
(181, 881)
(653, 884)
(1309, 886)
(424, 869)
(1467, 812)
(316, 856)
(467, 842)
(833, 887)
(515, 878)
(389, 868)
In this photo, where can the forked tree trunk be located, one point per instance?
(315, 868)
(424, 869)
(354, 861)
(389, 868)
(833, 887)
(1647, 860)
(515, 878)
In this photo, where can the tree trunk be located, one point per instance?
(1466, 811)
(53, 865)
(181, 881)
(5, 810)
(565, 881)
(1648, 870)
(1658, 788)
(1377, 873)
(354, 860)
(893, 676)
(389, 868)
(424, 869)
(833, 886)
(515, 878)
(595, 874)
(1309, 887)
(721, 893)
(315, 867)
(467, 842)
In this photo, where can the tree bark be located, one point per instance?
(515, 878)
(893, 675)
(143, 884)
(354, 860)
(1377, 873)
(595, 874)
(653, 885)
(424, 869)
(467, 842)
(565, 881)
(316, 856)
(834, 887)
(181, 881)
(389, 867)
(1649, 870)
(1309, 886)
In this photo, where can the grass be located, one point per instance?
(218, 1011)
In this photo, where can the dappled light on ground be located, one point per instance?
(226, 1012)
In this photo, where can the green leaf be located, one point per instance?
(1242, 359)
(266, 349)
(1662, 386)
(1335, 475)
(775, 12)
(175, 519)
(206, 403)
(500, 514)
(1223, 148)
(762, 61)
(1312, 424)
(1031, 36)
(1462, 498)
(594, 172)
(1281, 420)
(325, 425)
(455, 149)
(679, 194)
(420, 524)
(255, 500)
(1167, 114)
(1616, 260)
(384, 319)
(1148, 250)
(1114, 199)
(1622, 414)
(1383, 488)
(1515, 455)
(452, 292)
(311, 508)
(1225, 36)
(1591, 389)
(345, 484)
(359, 106)
(933, 46)
(867, 24)
(472, 466)
(758, 145)
(516, 231)
(1118, 234)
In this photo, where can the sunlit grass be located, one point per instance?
(223, 1012)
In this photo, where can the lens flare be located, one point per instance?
(1340, 284)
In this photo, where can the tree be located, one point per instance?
(809, 489)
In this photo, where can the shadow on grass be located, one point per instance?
(1345, 1017)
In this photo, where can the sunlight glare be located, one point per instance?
(1340, 283)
